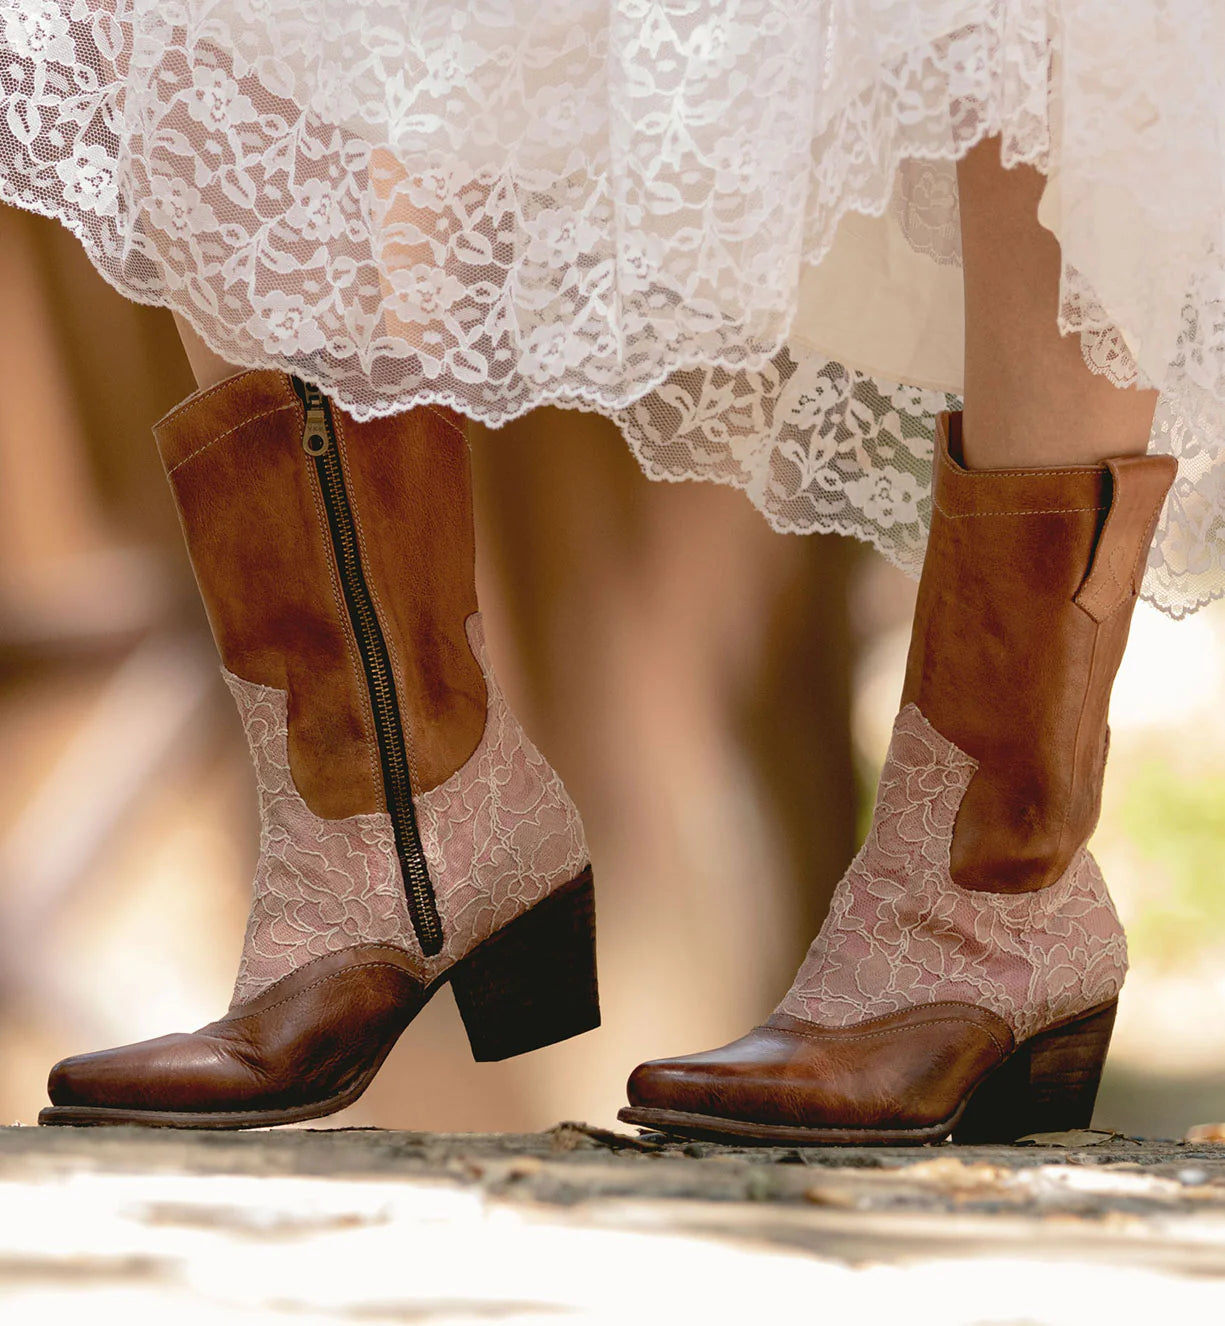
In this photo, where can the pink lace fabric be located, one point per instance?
(499, 834)
(900, 933)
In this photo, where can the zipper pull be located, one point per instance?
(315, 439)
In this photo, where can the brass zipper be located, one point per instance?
(319, 443)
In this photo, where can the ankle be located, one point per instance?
(1050, 428)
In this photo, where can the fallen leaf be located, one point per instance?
(1075, 1137)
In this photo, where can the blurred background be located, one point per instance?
(717, 698)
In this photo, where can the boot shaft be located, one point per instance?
(1023, 613)
(401, 803)
(272, 569)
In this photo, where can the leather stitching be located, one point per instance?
(1093, 603)
(442, 418)
(1123, 591)
(910, 1008)
(960, 471)
(200, 397)
(323, 957)
(837, 1034)
(1093, 596)
(1076, 755)
(1143, 550)
(1046, 511)
(255, 418)
(314, 985)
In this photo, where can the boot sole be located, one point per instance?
(1048, 1084)
(710, 1128)
(531, 984)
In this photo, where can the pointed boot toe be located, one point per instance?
(714, 1091)
(309, 1046)
(896, 1079)
(136, 1077)
(662, 1084)
(79, 1079)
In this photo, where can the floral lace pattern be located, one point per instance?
(498, 834)
(818, 446)
(900, 933)
(610, 203)
(847, 453)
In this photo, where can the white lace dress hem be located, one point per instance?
(731, 228)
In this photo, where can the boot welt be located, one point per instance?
(86, 1116)
(710, 1129)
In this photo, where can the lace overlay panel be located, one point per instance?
(501, 832)
(900, 933)
(320, 885)
(498, 835)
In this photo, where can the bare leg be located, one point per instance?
(208, 367)
(1029, 397)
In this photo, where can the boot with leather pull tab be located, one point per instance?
(411, 834)
(965, 979)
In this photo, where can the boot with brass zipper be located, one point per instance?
(966, 977)
(411, 834)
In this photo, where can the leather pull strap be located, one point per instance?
(1140, 485)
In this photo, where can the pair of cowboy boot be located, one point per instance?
(966, 977)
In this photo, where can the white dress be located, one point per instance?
(731, 225)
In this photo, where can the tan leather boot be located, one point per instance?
(410, 833)
(965, 979)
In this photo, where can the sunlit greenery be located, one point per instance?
(1174, 822)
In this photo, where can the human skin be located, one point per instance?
(209, 368)
(1030, 399)
(402, 250)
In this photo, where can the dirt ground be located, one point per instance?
(580, 1224)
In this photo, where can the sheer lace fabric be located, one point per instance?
(498, 835)
(495, 204)
(900, 933)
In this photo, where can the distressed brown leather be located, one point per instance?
(252, 514)
(1023, 613)
(411, 489)
(317, 1035)
(906, 1071)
